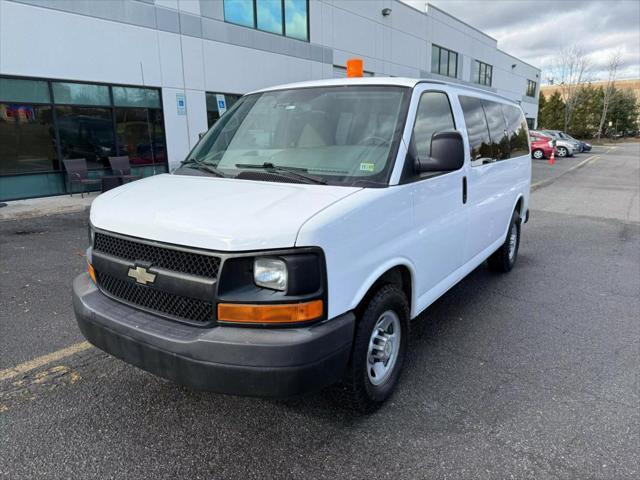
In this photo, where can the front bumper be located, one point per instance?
(234, 360)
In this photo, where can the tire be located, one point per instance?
(538, 154)
(563, 152)
(505, 257)
(388, 304)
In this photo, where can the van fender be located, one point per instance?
(379, 272)
(513, 208)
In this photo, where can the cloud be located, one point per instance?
(537, 30)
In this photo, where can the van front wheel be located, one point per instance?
(379, 349)
(504, 258)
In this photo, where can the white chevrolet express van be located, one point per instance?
(293, 246)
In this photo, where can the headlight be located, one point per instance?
(90, 234)
(270, 273)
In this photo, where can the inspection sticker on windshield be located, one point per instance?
(367, 167)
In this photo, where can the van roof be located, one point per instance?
(389, 81)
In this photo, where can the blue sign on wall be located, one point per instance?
(181, 103)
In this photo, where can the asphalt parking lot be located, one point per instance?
(533, 374)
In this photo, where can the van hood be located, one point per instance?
(213, 213)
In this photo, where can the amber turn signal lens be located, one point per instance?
(92, 273)
(355, 67)
(285, 313)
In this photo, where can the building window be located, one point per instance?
(80, 94)
(531, 123)
(139, 125)
(444, 62)
(296, 19)
(282, 17)
(27, 138)
(531, 88)
(217, 104)
(240, 12)
(269, 16)
(482, 73)
(43, 122)
(86, 132)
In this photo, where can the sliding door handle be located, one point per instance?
(464, 190)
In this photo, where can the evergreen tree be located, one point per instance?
(585, 119)
(623, 111)
(551, 114)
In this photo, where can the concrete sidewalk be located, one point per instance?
(38, 207)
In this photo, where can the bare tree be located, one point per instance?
(614, 61)
(570, 71)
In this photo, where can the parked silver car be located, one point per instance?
(565, 145)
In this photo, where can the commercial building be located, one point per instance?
(90, 79)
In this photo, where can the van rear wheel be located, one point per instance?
(379, 349)
(505, 257)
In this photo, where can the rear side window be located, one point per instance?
(517, 130)
(434, 115)
(497, 129)
(477, 130)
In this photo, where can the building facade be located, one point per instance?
(92, 79)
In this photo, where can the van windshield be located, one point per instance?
(343, 135)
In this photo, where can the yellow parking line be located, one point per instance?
(548, 181)
(43, 360)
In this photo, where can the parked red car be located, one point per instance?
(541, 146)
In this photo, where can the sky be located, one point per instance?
(536, 30)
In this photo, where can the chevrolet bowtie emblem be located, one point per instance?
(141, 275)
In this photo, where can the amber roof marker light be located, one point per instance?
(355, 67)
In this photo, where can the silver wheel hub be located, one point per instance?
(384, 347)
(513, 242)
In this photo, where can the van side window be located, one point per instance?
(477, 130)
(517, 130)
(497, 129)
(433, 115)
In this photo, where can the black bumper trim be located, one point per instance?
(257, 362)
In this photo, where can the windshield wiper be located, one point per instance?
(299, 173)
(200, 165)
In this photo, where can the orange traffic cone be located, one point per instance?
(552, 158)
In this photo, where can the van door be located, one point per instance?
(494, 138)
(485, 149)
(439, 215)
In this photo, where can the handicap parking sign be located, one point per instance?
(222, 103)
(181, 103)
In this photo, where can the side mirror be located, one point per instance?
(201, 134)
(447, 154)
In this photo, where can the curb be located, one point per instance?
(43, 212)
(549, 181)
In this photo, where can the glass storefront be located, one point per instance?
(27, 138)
(43, 122)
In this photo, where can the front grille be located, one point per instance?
(171, 259)
(175, 306)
